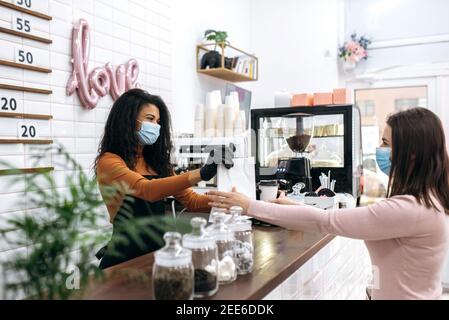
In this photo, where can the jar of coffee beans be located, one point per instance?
(173, 274)
(204, 258)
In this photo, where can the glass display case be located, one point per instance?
(335, 145)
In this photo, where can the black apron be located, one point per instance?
(126, 250)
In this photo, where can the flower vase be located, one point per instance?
(349, 66)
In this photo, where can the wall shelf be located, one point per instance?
(330, 136)
(25, 141)
(240, 61)
(226, 74)
(24, 66)
(24, 89)
(26, 35)
(13, 172)
(25, 116)
(25, 10)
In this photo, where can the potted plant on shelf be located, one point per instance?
(73, 223)
(354, 51)
(212, 59)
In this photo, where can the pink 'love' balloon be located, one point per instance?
(102, 80)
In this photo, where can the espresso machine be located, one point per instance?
(297, 130)
(314, 153)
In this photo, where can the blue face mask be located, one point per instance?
(383, 159)
(149, 133)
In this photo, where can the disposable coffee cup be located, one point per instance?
(268, 190)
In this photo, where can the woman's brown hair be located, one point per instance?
(419, 158)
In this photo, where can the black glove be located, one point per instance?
(217, 156)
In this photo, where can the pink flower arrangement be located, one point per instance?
(355, 50)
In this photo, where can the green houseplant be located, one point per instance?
(73, 223)
(46, 271)
(212, 59)
(220, 37)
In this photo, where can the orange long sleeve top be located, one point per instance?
(113, 172)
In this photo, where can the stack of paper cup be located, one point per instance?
(242, 115)
(199, 121)
(229, 117)
(218, 98)
(210, 114)
(220, 121)
(239, 124)
(234, 96)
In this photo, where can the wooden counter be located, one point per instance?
(278, 254)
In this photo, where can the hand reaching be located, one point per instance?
(283, 199)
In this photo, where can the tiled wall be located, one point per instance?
(120, 30)
(339, 271)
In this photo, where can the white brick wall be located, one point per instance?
(120, 30)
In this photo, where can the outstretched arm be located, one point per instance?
(392, 218)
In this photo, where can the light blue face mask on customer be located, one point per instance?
(148, 133)
(383, 159)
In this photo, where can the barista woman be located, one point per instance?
(135, 173)
(407, 235)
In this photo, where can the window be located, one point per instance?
(367, 108)
(404, 104)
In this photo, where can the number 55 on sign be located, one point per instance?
(21, 24)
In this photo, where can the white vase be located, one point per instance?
(282, 98)
(349, 66)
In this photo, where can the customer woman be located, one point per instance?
(407, 235)
(135, 174)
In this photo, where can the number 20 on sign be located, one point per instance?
(27, 130)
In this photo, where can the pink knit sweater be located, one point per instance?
(407, 242)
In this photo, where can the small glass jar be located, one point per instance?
(224, 238)
(243, 245)
(204, 258)
(173, 276)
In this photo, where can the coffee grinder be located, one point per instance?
(297, 130)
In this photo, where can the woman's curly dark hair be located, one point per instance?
(120, 134)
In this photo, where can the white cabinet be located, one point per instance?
(339, 271)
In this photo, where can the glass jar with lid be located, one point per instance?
(173, 275)
(216, 211)
(204, 258)
(243, 244)
(224, 238)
